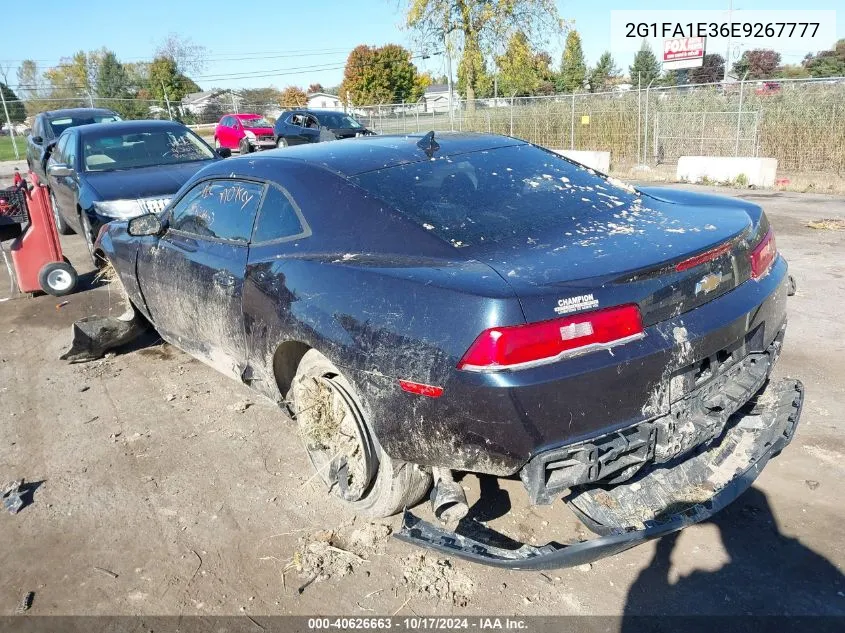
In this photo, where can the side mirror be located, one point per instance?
(224, 152)
(37, 140)
(59, 170)
(144, 225)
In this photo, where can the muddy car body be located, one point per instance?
(480, 304)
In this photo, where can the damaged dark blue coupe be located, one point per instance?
(432, 304)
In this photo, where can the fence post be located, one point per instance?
(739, 113)
(639, 115)
(11, 130)
(572, 123)
(703, 128)
(512, 96)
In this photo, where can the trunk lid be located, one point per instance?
(630, 254)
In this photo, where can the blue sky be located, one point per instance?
(283, 36)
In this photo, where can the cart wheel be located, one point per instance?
(57, 278)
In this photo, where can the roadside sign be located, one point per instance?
(683, 52)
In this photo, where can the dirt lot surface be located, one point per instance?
(162, 487)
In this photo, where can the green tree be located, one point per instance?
(517, 68)
(759, 63)
(712, 70)
(473, 76)
(382, 74)
(166, 82)
(645, 66)
(17, 111)
(480, 25)
(113, 91)
(793, 71)
(827, 63)
(573, 68)
(605, 71)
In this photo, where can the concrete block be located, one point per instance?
(760, 172)
(600, 161)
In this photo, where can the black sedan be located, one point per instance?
(48, 126)
(297, 127)
(425, 305)
(102, 172)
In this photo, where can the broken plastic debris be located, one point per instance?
(12, 499)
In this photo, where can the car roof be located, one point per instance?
(126, 127)
(72, 112)
(350, 157)
(245, 115)
(315, 112)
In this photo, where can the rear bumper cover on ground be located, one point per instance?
(663, 500)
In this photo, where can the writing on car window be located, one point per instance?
(220, 209)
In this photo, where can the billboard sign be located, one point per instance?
(683, 52)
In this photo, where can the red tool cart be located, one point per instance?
(36, 252)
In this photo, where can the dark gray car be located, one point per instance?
(48, 126)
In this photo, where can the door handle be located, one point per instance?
(224, 279)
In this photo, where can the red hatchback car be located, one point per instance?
(244, 132)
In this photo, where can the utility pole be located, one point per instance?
(728, 52)
(11, 129)
(449, 77)
(90, 98)
(167, 100)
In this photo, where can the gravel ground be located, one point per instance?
(162, 487)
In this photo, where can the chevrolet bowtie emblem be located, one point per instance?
(708, 283)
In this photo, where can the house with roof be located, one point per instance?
(197, 102)
(436, 98)
(323, 101)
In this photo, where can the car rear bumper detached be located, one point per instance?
(658, 500)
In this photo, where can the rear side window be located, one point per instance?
(219, 209)
(279, 218)
(487, 196)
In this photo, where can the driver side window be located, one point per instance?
(221, 209)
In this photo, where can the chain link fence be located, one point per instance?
(801, 123)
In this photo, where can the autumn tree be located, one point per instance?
(382, 74)
(573, 68)
(604, 73)
(759, 63)
(293, 97)
(316, 87)
(829, 63)
(74, 78)
(645, 66)
(712, 70)
(479, 25)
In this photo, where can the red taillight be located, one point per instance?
(520, 346)
(707, 256)
(763, 255)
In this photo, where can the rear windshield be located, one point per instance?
(489, 196)
(112, 152)
(336, 121)
(60, 124)
(262, 122)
